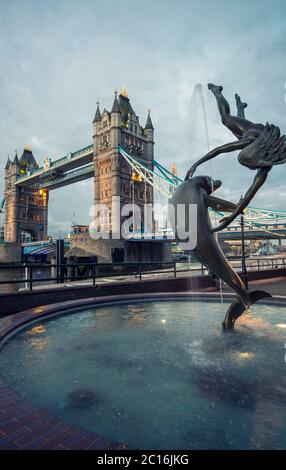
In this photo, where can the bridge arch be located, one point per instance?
(28, 236)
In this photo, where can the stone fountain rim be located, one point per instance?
(20, 320)
(12, 324)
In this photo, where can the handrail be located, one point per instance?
(128, 269)
(127, 263)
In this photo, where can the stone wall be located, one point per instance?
(135, 251)
(10, 253)
(100, 248)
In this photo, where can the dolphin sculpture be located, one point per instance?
(198, 190)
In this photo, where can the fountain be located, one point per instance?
(159, 374)
(261, 148)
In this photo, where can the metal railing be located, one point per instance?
(71, 272)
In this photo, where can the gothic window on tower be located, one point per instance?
(131, 126)
(135, 129)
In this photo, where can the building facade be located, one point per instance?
(26, 213)
(112, 174)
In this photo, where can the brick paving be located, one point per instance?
(24, 426)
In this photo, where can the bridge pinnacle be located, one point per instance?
(149, 124)
(97, 116)
(8, 163)
(115, 106)
(16, 160)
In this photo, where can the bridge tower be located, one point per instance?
(26, 207)
(112, 175)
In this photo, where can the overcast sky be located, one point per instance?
(57, 58)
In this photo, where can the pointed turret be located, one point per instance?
(97, 116)
(149, 124)
(149, 134)
(115, 122)
(16, 160)
(8, 163)
(27, 160)
(115, 106)
(125, 107)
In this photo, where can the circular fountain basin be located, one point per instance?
(158, 375)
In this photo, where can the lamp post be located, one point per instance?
(243, 264)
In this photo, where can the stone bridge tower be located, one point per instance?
(26, 207)
(113, 176)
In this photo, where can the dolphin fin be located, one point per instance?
(220, 204)
(237, 308)
(256, 295)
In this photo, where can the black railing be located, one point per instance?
(70, 272)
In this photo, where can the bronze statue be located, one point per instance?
(261, 148)
(198, 191)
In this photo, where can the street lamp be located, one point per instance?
(243, 264)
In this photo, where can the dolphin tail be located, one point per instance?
(238, 307)
(256, 295)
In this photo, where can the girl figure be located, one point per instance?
(261, 148)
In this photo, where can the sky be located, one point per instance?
(58, 57)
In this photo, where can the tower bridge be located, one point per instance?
(27, 185)
(121, 162)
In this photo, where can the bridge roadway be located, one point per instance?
(66, 170)
(261, 231)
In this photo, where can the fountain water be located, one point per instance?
(198, 90)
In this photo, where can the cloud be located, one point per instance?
(56, 60)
